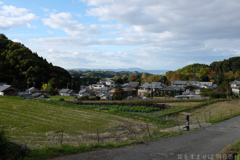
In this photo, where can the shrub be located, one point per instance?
(83, 98)
(10, 150)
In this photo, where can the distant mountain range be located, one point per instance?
(123, 69)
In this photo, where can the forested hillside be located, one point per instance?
(227, 65)
(193, 68)
(231, 64)
(18, 64)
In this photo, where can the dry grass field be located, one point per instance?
(219, 109)
(22, 119)
(211, 112)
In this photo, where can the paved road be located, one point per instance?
(195, 145)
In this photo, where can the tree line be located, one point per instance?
(20, 67)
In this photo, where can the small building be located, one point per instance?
(103, 90)
(146, 88)
(134, 84)
(111, 92)
(104, 96)
(39, 96)
(188, 93)
(129, 91)
(8, 90)
(110, 83)
(194, 83)
(33, 90)
(83, 93)
(170, 89)
(180, 83)
(235, 85)
(66, 92)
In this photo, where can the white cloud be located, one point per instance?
(50, 32)
(188, 19)
(12, 16)
(1, 3)
(45, 9)
(65, 22)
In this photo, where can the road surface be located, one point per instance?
(201, 144)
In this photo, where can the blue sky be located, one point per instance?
(107, 34)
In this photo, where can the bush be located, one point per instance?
(215, 93)
(10, 150)
(83, 98)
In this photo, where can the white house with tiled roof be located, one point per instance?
(235, 85)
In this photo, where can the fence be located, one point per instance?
(119, 135)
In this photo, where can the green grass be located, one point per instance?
(29, 118)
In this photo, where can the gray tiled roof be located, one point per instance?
(36, 94)
(104, 89)
(180, 82)
(133, 84)
(3, 88)
(82, 91)
(153, 85)
(188, 92)
(64, 90)
(172, 88)
(129, 88)
(236, 82)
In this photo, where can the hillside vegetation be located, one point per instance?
(193, 68)
(18, 64)
(227, 65)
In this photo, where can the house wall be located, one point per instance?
(10, 92)
(236, 91)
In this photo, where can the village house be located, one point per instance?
(66, 92)
(83, 93)
(129, 91)
(235, 85)
(112, 91)
(110, 83)
(33, 90)
(180, 83)
(169, 89)
(8, 90)
(104, 96)
(146, 88)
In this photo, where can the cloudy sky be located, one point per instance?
(104, 34)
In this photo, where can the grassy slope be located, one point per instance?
(29, 118)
